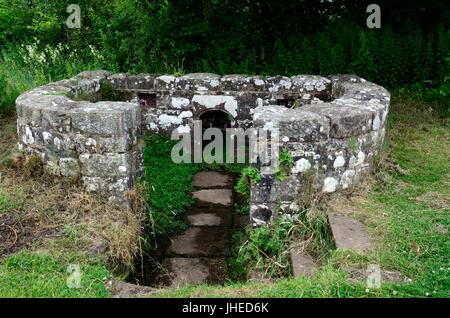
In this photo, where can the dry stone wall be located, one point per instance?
(90, 126)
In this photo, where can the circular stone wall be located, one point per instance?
(89, 126)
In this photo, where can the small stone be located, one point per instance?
(98, 247)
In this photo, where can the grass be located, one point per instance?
(28, 274)
(406, 210)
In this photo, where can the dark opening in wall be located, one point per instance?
(215, 119)
(288, 102)
(147, 100)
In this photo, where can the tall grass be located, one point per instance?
(35, 64)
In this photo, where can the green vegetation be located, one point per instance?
(248, 174)
(10, 202)
(29, 274)
(285, 164)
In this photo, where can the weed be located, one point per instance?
(285, 164)
(241, 209)
(248, 175)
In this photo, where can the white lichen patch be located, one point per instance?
(28, 137)
(169, 120)
(185, 114)
(57, 143)
(180, 102)
(259, 82)
(167, 78)
(183, 129)
(214, 83)
(214, 101)
(268, 126)
(347, 179)
(339, 162)
(301, 165)
(361, 158)
(47, 137)
(123, 169)
(329, 185)
(259, 102)
(376, 123)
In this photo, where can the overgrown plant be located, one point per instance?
(248, 175)
(285, 164)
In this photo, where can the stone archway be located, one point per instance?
(219, 119)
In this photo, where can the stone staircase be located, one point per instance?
(198, 255)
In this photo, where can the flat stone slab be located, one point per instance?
(302, 264)
(194, 271)
(349, 233)
(200, 241)
(215, 216)
(212, 179)
(223, 197)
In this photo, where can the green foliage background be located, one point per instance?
(233, 36)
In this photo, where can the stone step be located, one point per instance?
(212, 179)
(200, 241)
(213, 197)
(179, 271)
(302, 263)
(214, 216)
(349, 233)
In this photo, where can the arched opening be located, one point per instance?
(215, 119)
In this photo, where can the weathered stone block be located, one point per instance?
(104, 118)
(345, 121)
(106, 165)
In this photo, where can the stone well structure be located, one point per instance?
(90, 126)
